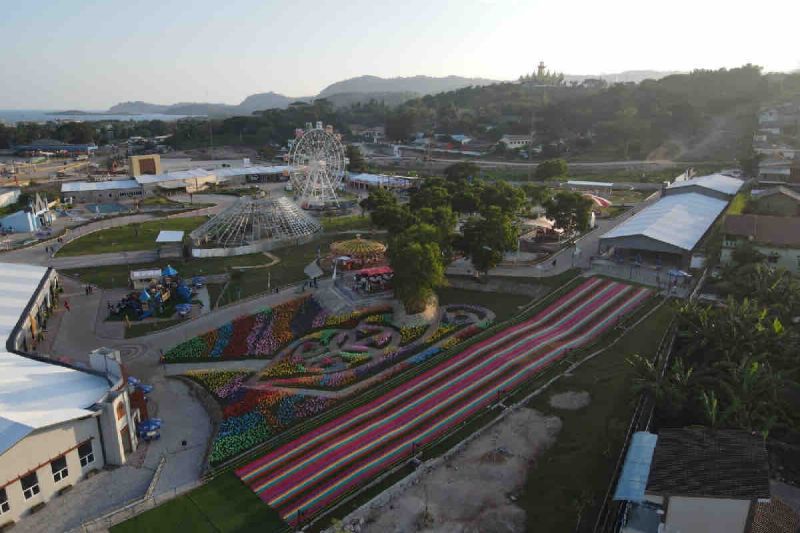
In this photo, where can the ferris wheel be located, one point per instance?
(317, 166)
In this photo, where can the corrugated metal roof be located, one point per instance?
(35, 394)
(714, 182)
(202, 173)
(680, 220)
(636, 468)
(84, 186)
(173, 176)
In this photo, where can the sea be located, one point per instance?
(12, 116)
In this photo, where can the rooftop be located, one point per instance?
(765, 229)
(714, 182)
(723, 463)
(219, 173)
(84, 186)
(785, 191)
(680, 220)
(34, 393)
(170, 236)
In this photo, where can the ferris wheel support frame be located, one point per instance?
(317, 159)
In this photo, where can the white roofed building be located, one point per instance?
(714, 185)
(99, 191)
(57, 421)
(668, 230)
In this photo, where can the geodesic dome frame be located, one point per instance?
(263, 223)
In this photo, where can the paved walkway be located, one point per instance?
(562, 260)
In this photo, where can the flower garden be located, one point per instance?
(312, 350)
(305, 476)
(262, 335)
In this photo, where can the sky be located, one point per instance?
(91, 54)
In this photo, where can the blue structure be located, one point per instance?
(636, 469)
(55, 146)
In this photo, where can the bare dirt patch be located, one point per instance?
(474, 490)
(571, 400)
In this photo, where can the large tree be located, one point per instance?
(571, 211)
(356, 162)
(551, 168)
(416, 259)
(462, 171)
(487, 237)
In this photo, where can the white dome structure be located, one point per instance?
(253, 225)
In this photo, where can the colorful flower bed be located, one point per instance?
(409, 334)
(250, 416)
(310, 474)
(265, 333)
(222, 384)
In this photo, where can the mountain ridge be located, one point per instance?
(393, 91)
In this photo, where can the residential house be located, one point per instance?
(693, 480)
(777, 238)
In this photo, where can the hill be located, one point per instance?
(415, 84)
(628, 76)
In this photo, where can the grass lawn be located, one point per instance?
(132, 237)
(146, 328)
(504, 305)
(116, 276)
(571, 477)
(289, 270)
(345, 223)
(223, 504)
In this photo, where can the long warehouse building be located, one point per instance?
(669, 231)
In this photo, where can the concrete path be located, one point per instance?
(562, 260)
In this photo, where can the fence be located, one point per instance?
(133, 508)
(611, 514)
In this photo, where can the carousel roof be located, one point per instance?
(255, 219)
(358, 247)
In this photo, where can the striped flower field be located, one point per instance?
(307, 475)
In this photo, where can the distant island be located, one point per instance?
(78, 112)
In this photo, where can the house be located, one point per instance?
(693, 480)
(777, 238)
(513, 142)
(780, 201)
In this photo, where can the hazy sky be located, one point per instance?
(90, 54)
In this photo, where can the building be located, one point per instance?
(777, 238)
(99, 191)
(58, 422)
(693, 480)
(9, 196)
(370, 181)
(780, 201)
(140, 165)
(514, 142)
(54, 146)
(714, 185)
(33, 218)
(666, 232)
(170, 244)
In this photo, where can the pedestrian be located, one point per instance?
(91, 289)
(66, 305)
(86, 290)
